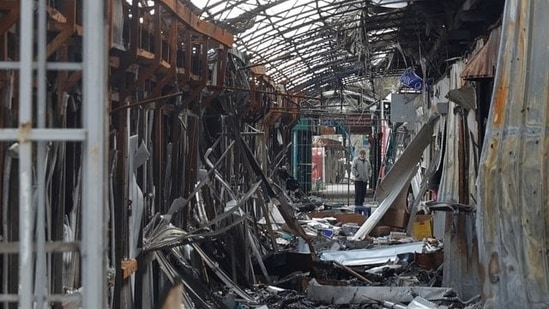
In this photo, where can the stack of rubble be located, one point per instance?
(387, 267)
(272, 247)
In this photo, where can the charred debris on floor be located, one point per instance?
(250, 241)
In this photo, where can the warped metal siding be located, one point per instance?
(513, 214)
(449, 183)
(459, 233)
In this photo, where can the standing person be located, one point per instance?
(361, 171)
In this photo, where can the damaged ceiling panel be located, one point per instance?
(313, 46)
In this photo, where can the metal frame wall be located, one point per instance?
(32, 251)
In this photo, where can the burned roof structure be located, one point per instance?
(315, 46)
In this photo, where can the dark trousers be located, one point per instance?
(360, 195)
(360, 192)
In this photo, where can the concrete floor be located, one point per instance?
(342, 193)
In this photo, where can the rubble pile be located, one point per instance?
(324, 268)
(272, 246)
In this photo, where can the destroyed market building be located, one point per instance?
(196, 153)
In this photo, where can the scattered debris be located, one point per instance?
(314, 261)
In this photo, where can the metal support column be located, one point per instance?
(26, 212)
(94, 163)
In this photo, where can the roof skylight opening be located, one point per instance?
(393, 4)
(324, 36)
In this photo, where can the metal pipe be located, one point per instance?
(168, 96)
(56, 66)
(94, 173)
(37, 134)
(25, 155)
(5, 201)
(41, 287)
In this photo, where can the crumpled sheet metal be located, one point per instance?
(366, 294)
(483, 63)
(512, 216)
(398, 177)
(422, 303)
(161, 233)
(371, 256)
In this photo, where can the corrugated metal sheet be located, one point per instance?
(483, 63)
(449, 187)
(456, 186)
(513, 214)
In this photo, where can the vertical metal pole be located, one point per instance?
(41, 272)
(5, 228)
(25, 156)
(295, 147)
(93, 190)
(348, 160)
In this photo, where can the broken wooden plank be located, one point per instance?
(196, 23)
(58, 41)
(352, 272)
(129, 267)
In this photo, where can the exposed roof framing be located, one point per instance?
(311, 46)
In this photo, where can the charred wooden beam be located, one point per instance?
(172, 38)
(184, 14)
(222, 56)
(10, 19)
(187, 67)
(60, 39)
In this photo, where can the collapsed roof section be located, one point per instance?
(311, 46)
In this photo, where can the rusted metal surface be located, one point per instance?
(483, 63)
(457, 186)
(513, 182)
(199, 25)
